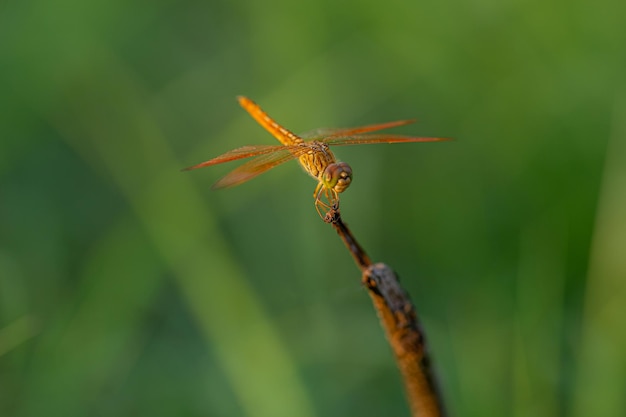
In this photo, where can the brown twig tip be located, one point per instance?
(332, 216)
(358, 254)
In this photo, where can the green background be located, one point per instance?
(128, 288)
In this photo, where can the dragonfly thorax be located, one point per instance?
(337, 176)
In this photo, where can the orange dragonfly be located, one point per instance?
(313, 154)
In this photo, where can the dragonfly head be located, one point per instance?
(338, 176)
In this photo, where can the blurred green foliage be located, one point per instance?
(128, 288)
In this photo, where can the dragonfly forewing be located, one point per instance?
(261, 164)
(373, 139)
(326, 133)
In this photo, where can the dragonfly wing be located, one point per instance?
(371, 139)
(256, 167)
(239, 153)
(349, 131)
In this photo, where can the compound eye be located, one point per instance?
(338, 176)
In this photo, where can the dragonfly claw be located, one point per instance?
(326, 202)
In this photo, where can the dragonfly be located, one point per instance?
(311, 149)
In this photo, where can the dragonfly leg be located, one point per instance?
(320, 205)
(318, 191)
(326, 200)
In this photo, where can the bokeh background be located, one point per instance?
(128, 288)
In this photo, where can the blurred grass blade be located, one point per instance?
(126, 143)
(601, 379)
(16, 333)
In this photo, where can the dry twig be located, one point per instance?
(399, 319)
